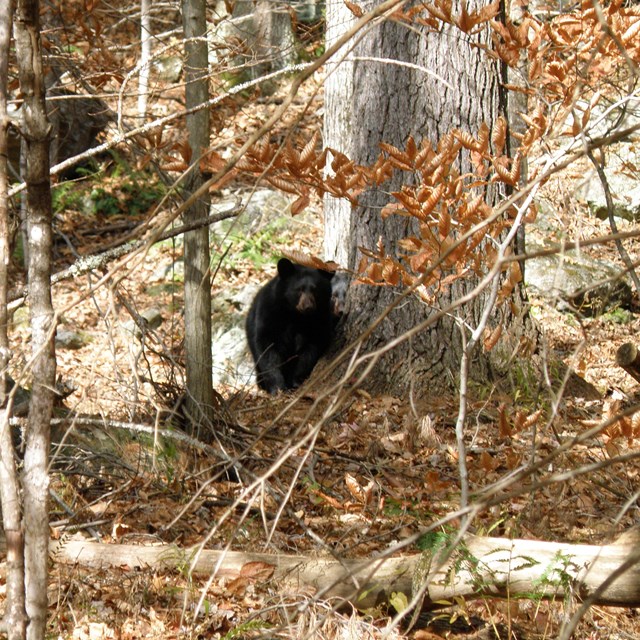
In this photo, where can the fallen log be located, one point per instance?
(532, 569)
(364, 582)
(476, 567)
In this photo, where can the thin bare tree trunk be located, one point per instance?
(15, 619)
(145, 58)
(35, 479)
(197, 285)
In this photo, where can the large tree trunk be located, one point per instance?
(440, 82)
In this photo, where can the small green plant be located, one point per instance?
(250, 625)
(555, 577)
(123, 191)
(394, 508)
(104, 202)
(140, 200)
(67, 195)
(134, 194)
(256, 247)
(618, 316)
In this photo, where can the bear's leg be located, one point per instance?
(269, 371)
(304, 363)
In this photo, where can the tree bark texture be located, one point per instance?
(145, 58)
(265, 28)
(35, 479)
(395, 81)
(491, 567)
(197, 294)
(15, 618)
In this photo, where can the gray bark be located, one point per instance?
(265, 28)
(35, 479)
(15, 618)
(197, 294)
(145, 58)
(398, 81)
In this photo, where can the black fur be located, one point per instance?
(289, 325)
(339, 288)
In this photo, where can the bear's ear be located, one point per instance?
(285, 267)
(327, 274)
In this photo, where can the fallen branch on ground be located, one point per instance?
(493, 567)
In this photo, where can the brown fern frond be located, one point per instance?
(430, 204)
(503, 172)
(393, 208)
(398, 158)
(425, 153)
(444, 223)
(412, 149)
(391, 272)
(299, 205)
(291, 156)
(309, 150)
(407, 199)
(491, 338)
(499, 135)
(466, 21)
(467, 140)
(355, 9)
(304, 259)
(483, 138)
(282, 184)
(419, 261)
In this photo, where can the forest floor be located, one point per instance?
(373, 479)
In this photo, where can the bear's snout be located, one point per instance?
(306, 302)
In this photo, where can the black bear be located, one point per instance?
(339, 288)
(289, 325)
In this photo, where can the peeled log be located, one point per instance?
(484, 567)
(516, 568)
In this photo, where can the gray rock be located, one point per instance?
(620, 165)
(152, 319)
(168, 68)
(67, 339)
(573, 280)
(232, 363)
(624, 188)
(173, 272)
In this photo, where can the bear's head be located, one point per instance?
(305, 290)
